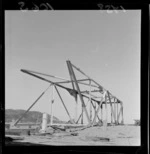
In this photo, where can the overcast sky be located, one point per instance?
(106, 46)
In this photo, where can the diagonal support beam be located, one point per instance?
(78, 89)
(56, 77)
(119, 113)
(100, 87)
(98, 109)
(52, 76)
(63, 104)
(71, 76)
(81, 115)
(95, 112)
(75, 96)
(31, 106)
(78, 118)
(68, 89)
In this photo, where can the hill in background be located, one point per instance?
(30, 117)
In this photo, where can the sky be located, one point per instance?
(106, 46)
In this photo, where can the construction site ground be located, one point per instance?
(124, 135)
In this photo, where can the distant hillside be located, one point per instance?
(31, 116)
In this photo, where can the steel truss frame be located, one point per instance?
(96, 103)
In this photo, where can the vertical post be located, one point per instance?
(44, 122)
(111, 113)
(117, 111)
(111, 106)
(102, 112)
(52, 101)
(90, 102)
(122, 122)
(106, 109)
(95, 107)
(82, 115)
(76, 108)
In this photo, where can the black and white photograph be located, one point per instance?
(72, 77)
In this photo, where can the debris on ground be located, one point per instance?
(95, 138)
(113, 135)
(12, 138)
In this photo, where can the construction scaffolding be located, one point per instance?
(99, 98)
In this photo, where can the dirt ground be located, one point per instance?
(112, 135)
